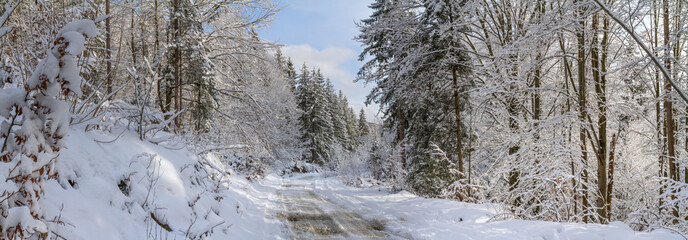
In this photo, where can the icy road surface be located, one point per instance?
(308, 216)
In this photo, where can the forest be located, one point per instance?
(566, 111)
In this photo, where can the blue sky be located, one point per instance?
(320, 33)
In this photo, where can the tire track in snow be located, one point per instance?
(308, 216)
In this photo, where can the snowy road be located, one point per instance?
(308, 216)
(312, 206)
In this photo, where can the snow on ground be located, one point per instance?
(410, 216)
(164, 183)
(132, 189)
(308, 216)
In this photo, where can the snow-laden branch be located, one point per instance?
(9, 8)
(654, 58)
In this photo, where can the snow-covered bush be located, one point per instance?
(300, 166)
(673, 208)
(33, 122)
(434, 173)
(146, 121)
(459, 189)
(354, 169)
(253, 167)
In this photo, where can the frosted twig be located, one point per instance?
(647, 51)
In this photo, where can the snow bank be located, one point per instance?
(132, 189)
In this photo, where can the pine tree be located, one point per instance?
(188, 64)
(363, 127)
(316, 121)
(304, 97)
(199, 72)
(338, 119)
(322, 119)
(417, 62)
(291, 75)
(443, 39)
(388, 37)
(281, 63)
(351, 124)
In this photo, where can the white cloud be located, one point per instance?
(331, 61)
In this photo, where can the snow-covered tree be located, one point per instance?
(421, 77)
(316, 121)
(291, 75)
(34, 123)
(351, 125)
(337, 111)
(558, 92)
(363, 127)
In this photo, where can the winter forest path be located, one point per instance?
(318, 206)
(308, 216)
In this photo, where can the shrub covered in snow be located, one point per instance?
(300, 167)
(674, 200)
(253, 167)
(33, 122)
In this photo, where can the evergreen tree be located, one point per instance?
(363, 127)
(281, 63)
(322, 118)
(416, 61)
(316, 121)
(291, 74)
(388, 36)
(351, 124)
(338, 119)
(199, 73)
(436, 117)
(188, 64)
(304, 96)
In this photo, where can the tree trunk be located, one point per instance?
(537, 112)
(658, 110)
(401, 135)
(133, 42)
(177, 63)
(582, 114)
(570, 86)
(668, 107)
(457, 111)
(108, 49)
(157, 58)
(603, 117)
(515, 174)
(140, 98)
(601, 154)
(677, 55)
(610, 175)
(574, 185)
(457, 115)
(198, 101)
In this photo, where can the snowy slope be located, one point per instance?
(180, 197)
